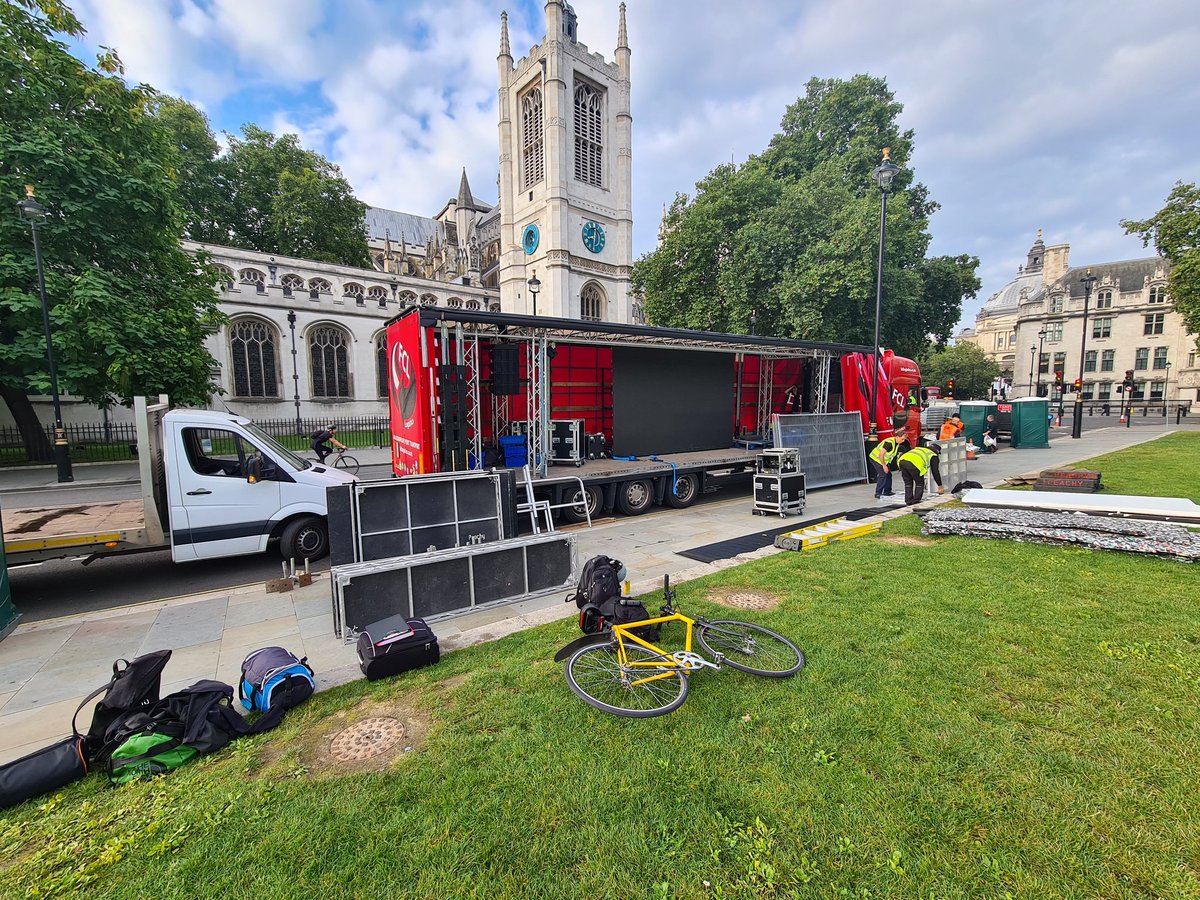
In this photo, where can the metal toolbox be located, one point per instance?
(779, 494)
(568, 441)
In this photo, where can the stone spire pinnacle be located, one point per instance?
(505, 49)
(465, 200)
(622, 34)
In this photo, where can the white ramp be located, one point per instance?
(1162, 509)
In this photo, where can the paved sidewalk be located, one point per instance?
(47, 667)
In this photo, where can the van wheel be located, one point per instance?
(635, 497)
(305, 538)
(574, 514)
(687, 490)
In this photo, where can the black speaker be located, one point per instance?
(506, 369)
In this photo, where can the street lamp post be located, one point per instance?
(1077, 426)
(1032, 354)
(1041, 339)
(883, 174)
(1167, 391)
(534, 287)
(35, 212)
(295, 370)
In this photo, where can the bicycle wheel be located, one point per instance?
(349, 463)
(597, 678)
(751, 648)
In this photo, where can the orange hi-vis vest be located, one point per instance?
(950, 428)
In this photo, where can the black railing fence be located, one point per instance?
(117, 441)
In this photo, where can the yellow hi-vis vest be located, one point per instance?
(885, 451)
(919, 457)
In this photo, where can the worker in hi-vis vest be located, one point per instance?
(883, 456)
(913, 465)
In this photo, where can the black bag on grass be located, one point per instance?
(134, 686)
(42, 771)
(394, 645)
(599, 581)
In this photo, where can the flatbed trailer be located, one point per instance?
(93, 529)
(680, 411)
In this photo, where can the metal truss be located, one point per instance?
(821, 383)
(469, 345)
(538, 404)
(765, 386)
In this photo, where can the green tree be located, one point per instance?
(1175, 232)
(786, 243)
(972, 371)
(129, 309)
(202, 192)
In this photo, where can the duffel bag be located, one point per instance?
(394, 645)
(42, 771)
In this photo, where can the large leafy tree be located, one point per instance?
(786, 243)
(265, 193)
(972, 371)
(1175, 233)
(129, 309)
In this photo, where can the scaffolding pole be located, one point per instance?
(766, 369)
(821, 383)
(470, 355)
(538, 405)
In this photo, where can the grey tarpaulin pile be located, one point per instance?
(1095, 532)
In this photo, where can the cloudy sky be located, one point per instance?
(1065, 115)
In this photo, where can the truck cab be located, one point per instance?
(232, 489)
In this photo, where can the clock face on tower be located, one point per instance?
(529, 239)
(593, 236)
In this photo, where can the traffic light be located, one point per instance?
(950, 388)
(1058, 379)
(1078, 385)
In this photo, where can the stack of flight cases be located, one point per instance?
(569, 440)
(778, 483)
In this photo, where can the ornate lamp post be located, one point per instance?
(1032, 355)
(883, 174)
(295, 370)
(534, 287)
(1041, 339)
(1077, 425)
(35, 212)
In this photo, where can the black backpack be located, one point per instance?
(601, 604)
(598, 582)
(134, 687)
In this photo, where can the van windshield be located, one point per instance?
(282, 454)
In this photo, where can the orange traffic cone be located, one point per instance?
(1057, 420)
(1122, 417)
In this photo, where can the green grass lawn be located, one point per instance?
(978, 719)
(1167, 467)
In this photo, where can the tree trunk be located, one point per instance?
(37, 445)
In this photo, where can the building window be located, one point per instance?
(1154, 323)
(1101, 328)
(428, 300)
(1012, 339)
(1158, 294)
(354, 292)
(1192, 359)
(1160, 357)
(1089, 361)
(589, 135)
(493, 306)
(317, 287)
(254, 277)
(454, 302)
(291, 284)
(1104, 300)
(1108, 360)
(253, 351)
(379, 295)
(472, 303)
(381, 360)
(999, 342)
(1088, 391)
(1044, 364)
(224, 277)
(1139, 391)
(1054, 332)
(1056, 303)
(1060, 364)
(1141, 359)
(592, 303)
(1105, 392)
(329, 357)
(1156, 389)
(533, 154)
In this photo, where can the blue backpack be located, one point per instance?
(274, 677)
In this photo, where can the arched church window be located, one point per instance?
(329, 357)
(378, 294)
(291, 284)
(589, 135)
(533, 157)
(428, 300)
(254, 277)
(253, 352)
(317, 287)
(454, 302)
(494, 306)
(381, 381)
(353, 291)
(224, 277)
(592, 303)
(473, 304)
(408, 298)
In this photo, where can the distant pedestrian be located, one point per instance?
(991, 435)
(913, 467)
(319, 438)
(883, 457)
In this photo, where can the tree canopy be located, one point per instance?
(264, 192)
(972, 371)
(129, 309)
(786, 244)
(1175, 232)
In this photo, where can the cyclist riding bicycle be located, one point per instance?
(319, 438)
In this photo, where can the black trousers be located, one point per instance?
(914, 482)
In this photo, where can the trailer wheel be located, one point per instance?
(305, 538)
(687, 491)
(635, 497)
(574, 514)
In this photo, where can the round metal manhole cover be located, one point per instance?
(366, 739)
(749, 600)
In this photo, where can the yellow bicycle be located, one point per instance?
(628, 675)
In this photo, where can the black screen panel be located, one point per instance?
(341, 524)
(441, 587)
(376, 596)
(671, 401)
(499, 576)
(549, 564)
(383, 507)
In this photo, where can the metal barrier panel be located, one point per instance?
(830, 444)
(952, 463)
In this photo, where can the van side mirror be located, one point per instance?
(259, 469)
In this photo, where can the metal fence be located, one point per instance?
(117, 441)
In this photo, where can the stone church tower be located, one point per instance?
(566, 212)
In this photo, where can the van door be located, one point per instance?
(223, 514)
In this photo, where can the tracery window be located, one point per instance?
(329, 360)
(473, 304)
(291, 284)
(589, 135)
(253, 352)
(533, 148)
(428, 300)
(454, 302)
(353, 291)
(254, 277)
(591, 303)
(317, 287)
(381, 381)
(225, 277)
(378, 294)
(408, 298)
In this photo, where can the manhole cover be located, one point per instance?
(749, 600)
(367, 738)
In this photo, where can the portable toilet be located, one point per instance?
(1031, 423)
(974, 414)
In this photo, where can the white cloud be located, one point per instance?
(1066, 116)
